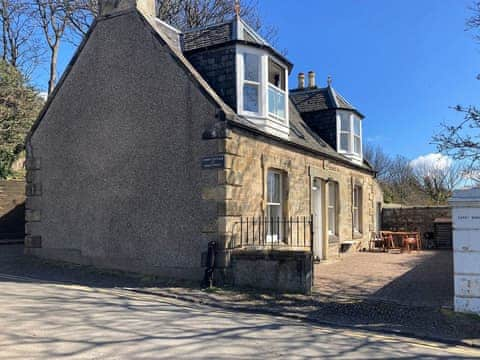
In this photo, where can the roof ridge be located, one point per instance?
(206, 27)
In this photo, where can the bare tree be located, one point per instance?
(82, 15)
(59, 20)
(438, 180)
(19, 46)
(378, 159)
(190, 14)
(462, 141)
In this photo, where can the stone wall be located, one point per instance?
(284, 271)
(413, 218)
(12, 209)
(248, 159)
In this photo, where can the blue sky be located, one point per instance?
(401, 63)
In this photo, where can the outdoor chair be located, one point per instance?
(409, 242)
(377, 241)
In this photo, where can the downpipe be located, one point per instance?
(210, 265)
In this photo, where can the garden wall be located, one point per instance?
(413, 218)
(12, 209)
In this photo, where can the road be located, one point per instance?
(45, 320)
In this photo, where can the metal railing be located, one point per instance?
(273, 232)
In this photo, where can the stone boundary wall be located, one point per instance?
(413, 218)
(12, 209)
(282, 271)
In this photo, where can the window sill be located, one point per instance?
(357, 235)
(333, 239)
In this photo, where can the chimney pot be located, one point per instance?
(311, 79)
(301, 80)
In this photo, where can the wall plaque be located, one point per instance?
(213, 162)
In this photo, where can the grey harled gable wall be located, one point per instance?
(120, 151)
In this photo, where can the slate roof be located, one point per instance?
(210, 36)
(317, 99)
(301, 135)
(226, 33)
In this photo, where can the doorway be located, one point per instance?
(318, 219)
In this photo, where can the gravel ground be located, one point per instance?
(415, 279)
(357, 312)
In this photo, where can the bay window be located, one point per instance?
(276, 90)
(262, 90)
(251, 83)
(350, 135)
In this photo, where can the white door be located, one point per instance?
(317, 219)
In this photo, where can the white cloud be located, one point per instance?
(432, 161)
(43, 95)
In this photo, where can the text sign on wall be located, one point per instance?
(466, 218)
(213, 162)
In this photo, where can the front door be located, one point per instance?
(318, 214)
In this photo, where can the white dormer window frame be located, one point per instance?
(349, 135)
(270, 116)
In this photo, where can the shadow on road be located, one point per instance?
(419, 321)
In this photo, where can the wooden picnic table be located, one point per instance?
(389, 236)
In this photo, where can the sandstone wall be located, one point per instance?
(413, 218)
(248, 160)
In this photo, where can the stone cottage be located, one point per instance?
(156, 142)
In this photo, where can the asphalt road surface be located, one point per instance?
(46, 320)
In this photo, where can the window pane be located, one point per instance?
(274, 225)
(357, 146)
(355, 219)
(344, 141)
(276, 74)
(345, 122)
(356, 126)
(331, 221)
(252, 67)
(276, 102)
(273, 188)
(250, 98)
(332, 194)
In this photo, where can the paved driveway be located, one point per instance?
(420, 279)
(44, 320)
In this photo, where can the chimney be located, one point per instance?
(146, 7)
(301, 80)
(311, 80)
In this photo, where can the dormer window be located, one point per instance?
(251, 83)
(276, 90)
(349, 132)
(262, 90)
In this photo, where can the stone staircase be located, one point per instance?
(12, 209)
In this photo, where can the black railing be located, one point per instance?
(274, 232)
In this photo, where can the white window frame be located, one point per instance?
(275, 88)
(269, 121)
(334, 207)
(357, 206)
(351, 135)
(274, 237)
